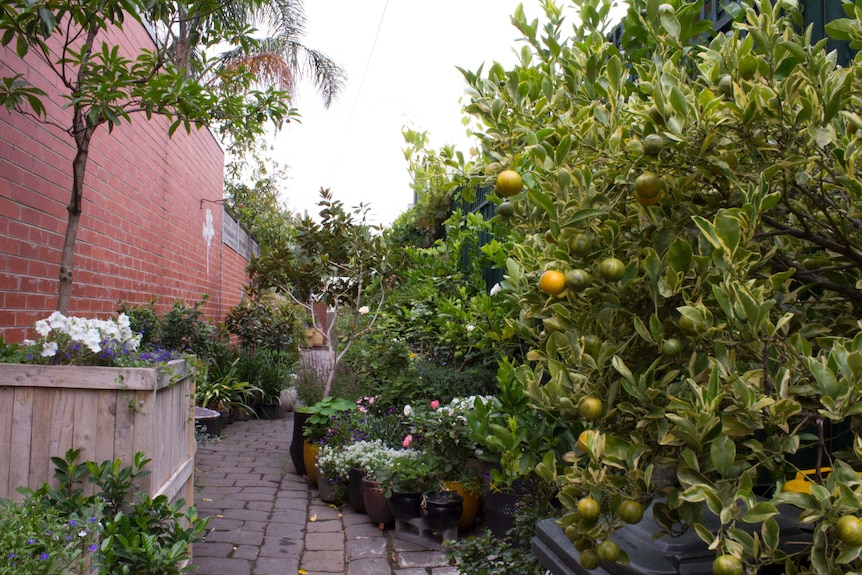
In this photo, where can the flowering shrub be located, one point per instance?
(410, 471)
(369, 456)
(443, 429)
(37, 538)
(79, 341)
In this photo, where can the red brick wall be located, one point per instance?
(141, 234)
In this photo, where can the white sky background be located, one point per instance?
(355, 147)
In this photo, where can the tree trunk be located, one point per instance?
(83, 135)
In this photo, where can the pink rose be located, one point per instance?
(435, 404)
(407, 441)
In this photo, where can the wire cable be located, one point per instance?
(367, 65)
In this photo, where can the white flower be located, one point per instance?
(57, 320)
(28, 342)
(42, 328)
(470, 328)
(363, 310)
(496, 289)
(49, 349)
(408, 411)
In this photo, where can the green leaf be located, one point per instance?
(762, 511)
(544, 201)
(722, 453)
(680, 256)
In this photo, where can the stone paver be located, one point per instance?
(266, 520)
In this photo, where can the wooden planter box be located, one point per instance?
(109, 413)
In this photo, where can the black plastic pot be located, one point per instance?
(208, 421)
(296, 448)
(442, 511)
(354, 488)
(405, 505)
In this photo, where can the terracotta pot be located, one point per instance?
(442, 510)
(472, 504)
(405, 505)
(376, 505)
(309, 455)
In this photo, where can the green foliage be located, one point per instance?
(222, 388)
(487, 554)
(182, 328)
(322, 414)
(143, 320)
(269, 371)
(267, 321)
(749, 262)
(117, 529)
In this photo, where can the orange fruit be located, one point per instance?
(552, 282)
(608, 551)
(612, 269)
(506, 210)
(630, 511)
(577, 279)
(849, 530)
(653, 144)
(727, 565)
(646, 201)
(590, 407)
(580, 245)
(648, 185)
(589, 508)
(509, 183)
(671, 347)
(589, 559)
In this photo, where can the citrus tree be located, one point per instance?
(689, 270)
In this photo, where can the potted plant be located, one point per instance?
(359, 460)
(409, 475)
(320, 416)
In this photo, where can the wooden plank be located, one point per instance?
(143, 436)
(7, 399)
(177, 483)
(84, 430)
(89, 377)
(41, 469)
(19, 460)
(106, 412)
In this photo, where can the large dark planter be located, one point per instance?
(666, 555)
(500, 506)
(208, 421)
(405, 505)
(442, 510)
(296, 448)
(269, 411)
(354, 488)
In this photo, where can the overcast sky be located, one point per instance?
(355, 147)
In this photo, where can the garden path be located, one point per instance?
(266, 520)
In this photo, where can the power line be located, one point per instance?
(367, 65)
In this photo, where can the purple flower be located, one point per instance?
(92, 548)
(44, 556)
(72, 522)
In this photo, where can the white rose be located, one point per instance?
(363, 310)
(408, 411)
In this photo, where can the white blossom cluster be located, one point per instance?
(91, 333)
